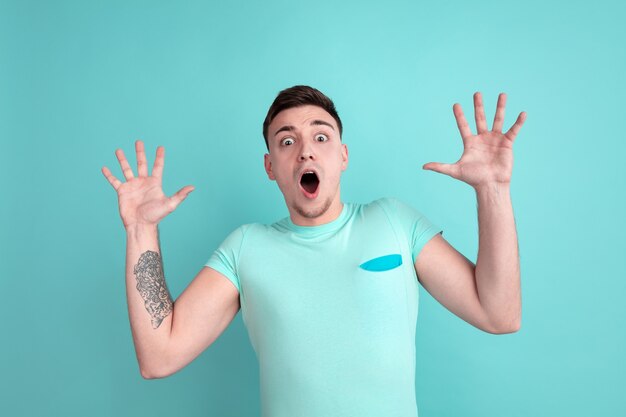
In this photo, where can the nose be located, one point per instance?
(306, 153)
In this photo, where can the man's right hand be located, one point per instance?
(141, 199)
(163, 344)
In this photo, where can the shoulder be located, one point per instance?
(381, 208)
(380, 204)
(397, 205)
(398, 210)
(390, 204)
(250, 229)
(257, 232)
(240, 233)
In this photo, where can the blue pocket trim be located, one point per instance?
(383, 263)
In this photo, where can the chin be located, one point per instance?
(313, 212)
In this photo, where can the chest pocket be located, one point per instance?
(387, 287)
(382, 263)
(380, 282)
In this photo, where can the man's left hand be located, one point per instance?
(487, 156)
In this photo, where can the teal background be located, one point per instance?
(79, 79)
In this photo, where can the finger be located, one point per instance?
(142, 164)
(479, 113)
(461, 122)
(157, 168)
(498, 120)
(516, 126)
(447, 169)
(111, 178)
(177, 198)
(128, 172)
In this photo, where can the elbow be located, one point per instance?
(161, 367)
(512, 327)
(152, 374)
(504, 326)
(155, 366)
(148, 373)
(516, 326)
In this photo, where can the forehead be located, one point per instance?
(299, 117)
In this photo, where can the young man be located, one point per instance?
(328, 294)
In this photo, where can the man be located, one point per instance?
(328, 294)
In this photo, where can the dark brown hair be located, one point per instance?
(299, 95)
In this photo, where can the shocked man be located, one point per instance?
(329, 294)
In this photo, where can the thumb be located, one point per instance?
(177, 198)
(447, 169)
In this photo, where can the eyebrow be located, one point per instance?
(289, 128)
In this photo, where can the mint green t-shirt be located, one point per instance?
(331, 310)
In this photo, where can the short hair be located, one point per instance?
(296, 96)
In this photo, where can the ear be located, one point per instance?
(268, 167)
(344, 156)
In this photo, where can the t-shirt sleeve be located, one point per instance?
(225, 259)
(419, 228)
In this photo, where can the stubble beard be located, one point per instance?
(315, 212)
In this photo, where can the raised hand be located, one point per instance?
(141, 199)
(487, 156)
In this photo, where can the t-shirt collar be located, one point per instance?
(331, 226)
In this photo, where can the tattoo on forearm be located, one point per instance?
(151, 286)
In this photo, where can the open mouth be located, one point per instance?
(310, 183)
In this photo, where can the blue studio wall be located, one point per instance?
(79, 79)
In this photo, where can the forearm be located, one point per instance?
(150, 305)
(497, 266)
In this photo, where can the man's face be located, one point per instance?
(301, 140)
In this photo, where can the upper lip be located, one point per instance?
(305, 170)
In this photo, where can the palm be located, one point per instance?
(486, 158)
(488, 155)
(141, 199)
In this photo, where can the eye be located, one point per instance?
(287, 141)
(321, 138)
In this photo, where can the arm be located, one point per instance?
(487, 294)
(497, 265)
(149, 301)
(167, 335)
